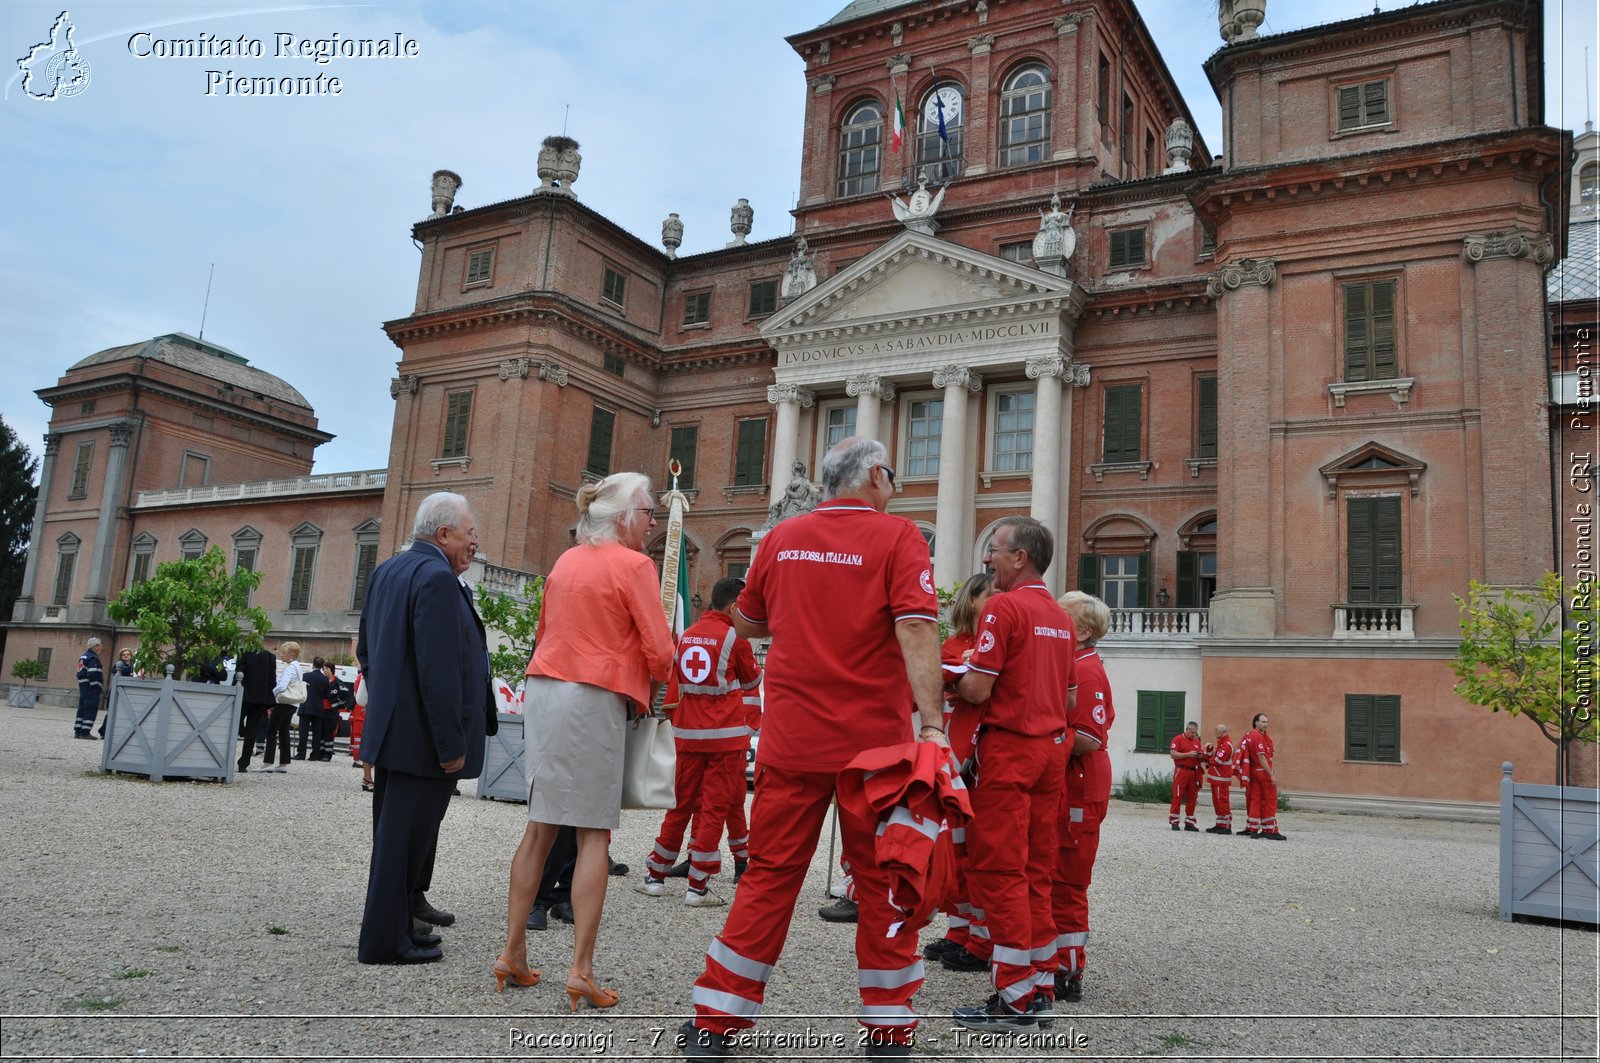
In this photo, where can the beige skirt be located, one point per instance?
(573, 737)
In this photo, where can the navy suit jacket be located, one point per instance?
(423, 650)
(260, 670)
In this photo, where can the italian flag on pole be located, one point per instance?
(899, 134)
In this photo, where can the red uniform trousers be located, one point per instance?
(738, 824)
(1185, 793)
(1013, 844)
(1221, 802)
(1080, 842)
(703, 786)
(786, 821)
(1261, 804)
(965, 921)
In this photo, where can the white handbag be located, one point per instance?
(649, 761)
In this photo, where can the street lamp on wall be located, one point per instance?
(1163, 599)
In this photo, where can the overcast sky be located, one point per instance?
(124, 195)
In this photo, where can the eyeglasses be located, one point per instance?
(887, 471)
(642, 509)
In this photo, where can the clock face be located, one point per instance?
(952, 107)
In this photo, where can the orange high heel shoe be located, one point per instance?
(505, 970)
(597, 996)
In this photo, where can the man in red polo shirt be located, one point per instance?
(1022, 667)
(1219, 776)
(712, 672)
(1188, 770)
(1261, 796)
(846, 593)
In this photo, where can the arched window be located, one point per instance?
(939, 149)
(1589, 187)
(860, 149)
(1025, 117)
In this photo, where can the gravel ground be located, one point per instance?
(219, 921)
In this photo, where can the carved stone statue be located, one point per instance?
(917, 213)
(740, 221)
(1180, 146)
(1056, 240)
(801, 276)
(801, 496)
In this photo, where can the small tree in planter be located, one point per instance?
(514, 621)
(191, 613)
(27, 668)
(188, 616)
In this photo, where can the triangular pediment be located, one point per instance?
(1373, 462)
(915, 276)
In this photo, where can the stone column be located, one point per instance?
(788, 398)
(1246, 605)
(1046, 503)
(30, 572)
(105, 533)
(955, 488)
(870, 392)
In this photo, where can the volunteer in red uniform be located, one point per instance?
(1188, 757)
(955, 949)
(1088, 791)
(1219, 776)
(1261, 808)
(1023, 667)
(1242, 757)
(846, 593)
(713, 669)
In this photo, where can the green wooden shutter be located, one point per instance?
(601, 426)
(685, 446)
(1089, 574)
(1350, 107)
(1376, 111)
(1359, 557)
(1386, 551)
(1206, 423)
(1142, 587)
(1122, 423)
(1188, 579)
(1383, 362)
(1171, 717)
(750, 455)
(1386, 728)
(1358, 727)
(1148, 736)
(1357, 340)
(1112, 447)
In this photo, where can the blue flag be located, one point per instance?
(938, 103)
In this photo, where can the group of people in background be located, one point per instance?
(1218, 763)
(92, 685)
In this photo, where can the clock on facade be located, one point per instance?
(951, 97)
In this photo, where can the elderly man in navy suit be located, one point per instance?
(422, 648)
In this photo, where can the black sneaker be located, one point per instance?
(698, 1044)
(1247, 834)
(959, 959)
(1218, 830)
(1176, 827)
(938, 948)
(887, 1050)
(679, 870)
(1273, 835)
(1043, 1009)
(842, 910)
(619, 870)
(1069, 990)
(739, 868)
(1191, 826)
(538, 917)
(996, 1017)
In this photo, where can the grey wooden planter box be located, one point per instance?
(504, 776)
(23, 697)
(1549, 851)
(165, 728)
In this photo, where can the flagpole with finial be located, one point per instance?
(674, 569)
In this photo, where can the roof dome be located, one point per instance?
(183, 351)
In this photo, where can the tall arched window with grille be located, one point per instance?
(860, 149)
(1025, 116)
(940, 148)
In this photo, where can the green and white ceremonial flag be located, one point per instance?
(674, 569)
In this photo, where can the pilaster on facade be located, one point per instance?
(406, 384)
(982, 44)
(1508, 243)
(1262, 271)
(554, 373)
(516, 367)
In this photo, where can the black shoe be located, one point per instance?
(938, 948)
(1176, 827)
(241, 767)
(83, 734)
(562, 910)
(698, 1044)
(618, 870)
(414, 954)
(679, 870)
(1218, 830)
(429, 914)
(299, 756)
(959, 959)
(887, 1050)
(1191, 826)
(1068, 989)
(842, 910)
(996, 1017)
(1043, 1009)
(739, 868)
(1248, 833)
(538, 917)
(1273, 836)
(426, 939)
